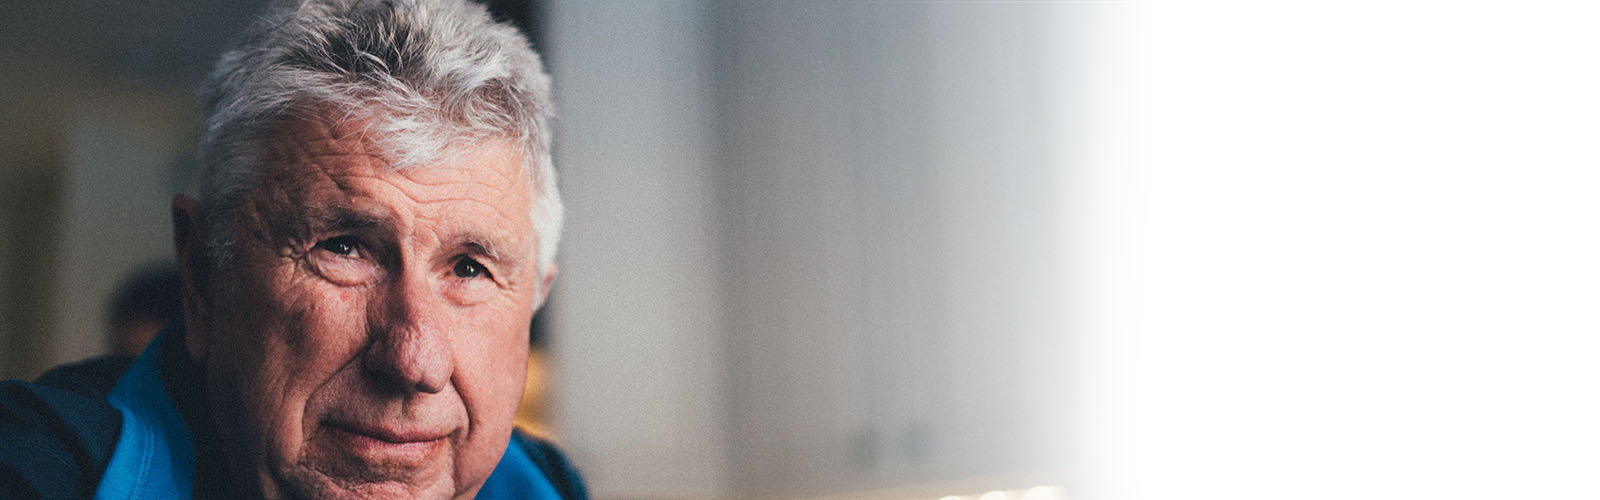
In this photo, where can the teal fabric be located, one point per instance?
(154, 457)
(517, 477)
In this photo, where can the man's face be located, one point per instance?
(368, 339)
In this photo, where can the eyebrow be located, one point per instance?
(480, 248)
(341, 218)
(478, 244)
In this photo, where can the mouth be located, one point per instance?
(391, 445)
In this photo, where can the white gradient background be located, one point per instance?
(1351, 249)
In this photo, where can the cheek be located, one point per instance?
(329, 325)
(290, 339)
(500, 351)
(489, 377)
(492, 390)
(313, 322)
(326, 328)
(491, 366)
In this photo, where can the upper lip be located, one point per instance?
(391, 434)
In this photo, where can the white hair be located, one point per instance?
(432, 75)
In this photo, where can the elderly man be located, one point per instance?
(375, 226)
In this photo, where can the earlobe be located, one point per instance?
(194, 268)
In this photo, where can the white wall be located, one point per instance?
(817, 248)
(637, 304)
(900, 310)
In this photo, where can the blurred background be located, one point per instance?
(967, 250)
(813, 248)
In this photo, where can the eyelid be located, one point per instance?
(477, 260)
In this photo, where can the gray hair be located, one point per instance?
(431, 73)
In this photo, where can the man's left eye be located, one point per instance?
(468, 268)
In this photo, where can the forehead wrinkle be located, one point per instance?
(456, 189)
(329, 197)
(456, 186)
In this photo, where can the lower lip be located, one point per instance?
(371, 447)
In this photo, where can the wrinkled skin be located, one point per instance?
(369, 336)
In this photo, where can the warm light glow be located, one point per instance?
(1045, 493)
(994, 495)
(951, 497)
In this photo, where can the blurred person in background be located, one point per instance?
(145, 302)
(375, 227)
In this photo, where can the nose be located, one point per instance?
(411, 350)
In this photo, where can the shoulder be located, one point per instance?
(57, 435)
(554, 464)
(93, 378)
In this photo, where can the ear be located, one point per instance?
(194, 272)
(544, 286)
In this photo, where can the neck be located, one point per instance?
(183, 379)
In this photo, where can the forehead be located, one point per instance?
(294, 140)
(318, 170)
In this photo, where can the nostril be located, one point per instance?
(410, 360)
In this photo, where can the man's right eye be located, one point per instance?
(341, 245)
(342, 260)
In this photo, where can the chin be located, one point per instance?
(385, 491)
(312, 486)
